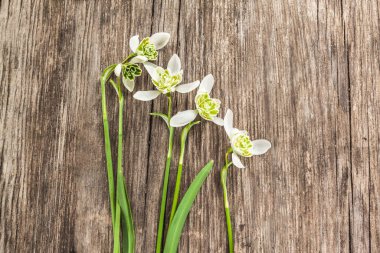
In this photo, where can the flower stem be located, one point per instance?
(119, 171)
(223, 179)
(116, 231)
(160, 229)
(111, 186)
(184, 134)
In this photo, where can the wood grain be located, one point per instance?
(303, 74)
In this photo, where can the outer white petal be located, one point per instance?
(138, 59)
(134, 43)
(151, 68)
(206, 84)
(218, 121)
(260, 146)
(146, 95)
(118, 69)
(129, 84)
(185, 88)
(183, 118)
(160, 39)
(236, 161)
(228, 120)
(174, 64)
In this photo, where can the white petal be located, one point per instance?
(134, 43)
(185, 88)
(160, 39)
(206, 84)
(138, 59)
(118, 69)
(174, 64)
(146, 95)
(183, 118)
(151, 68)
(236, 161)
(129, 84)
(228, 120)
(218, 121)
(260, 146)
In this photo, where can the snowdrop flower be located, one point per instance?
(165, 80)
(146, 50)
(129, 71)
(207, 107)
(143, 51)
(240, 142)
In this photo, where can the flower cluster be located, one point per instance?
(167, 81)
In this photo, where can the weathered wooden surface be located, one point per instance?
(303, 74)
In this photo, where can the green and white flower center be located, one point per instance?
(241, 144)
(166, 82)
(147, 49)
(130, 71)
(207, 107)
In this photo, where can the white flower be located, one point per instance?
(207, 107)
(240, 142)
(147, 49)
(165, 80)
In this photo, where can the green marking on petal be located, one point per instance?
(147, 49)
(207, 107)
(166, 82)
(241, 144)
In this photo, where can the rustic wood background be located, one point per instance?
(303, 74)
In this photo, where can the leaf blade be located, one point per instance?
(175, 229)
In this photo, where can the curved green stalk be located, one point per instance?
(160, 229)
(122, 202)
(184, 134)
(105, 76)
(223, 180)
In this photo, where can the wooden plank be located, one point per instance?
(304, 75)
(363, 45)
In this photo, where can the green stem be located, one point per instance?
(129, 57)
(116, 231)
(160, 229)
(184, 134)
(119, 169)
(223, 179)
(111, 185)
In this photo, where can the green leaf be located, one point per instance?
(175, 229)
(128, 229)
(163, 116)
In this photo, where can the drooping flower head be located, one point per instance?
(241, 144)
(165, 80)
(207, 107)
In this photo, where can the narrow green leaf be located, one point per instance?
(123, 201)
(163, 116)
(175, 229)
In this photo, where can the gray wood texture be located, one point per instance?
(303, 74)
